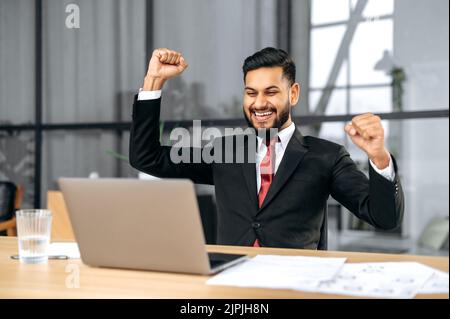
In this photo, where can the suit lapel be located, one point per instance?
(249, 171)
(295, 151)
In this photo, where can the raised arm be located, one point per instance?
(146, 152)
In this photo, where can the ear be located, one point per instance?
(295, 92)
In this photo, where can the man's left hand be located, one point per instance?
(367, 133)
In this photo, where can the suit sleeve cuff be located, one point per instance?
(149, 95)
(388, 172)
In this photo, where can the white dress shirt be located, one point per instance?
(280, 147)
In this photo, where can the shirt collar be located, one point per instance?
(284, 136)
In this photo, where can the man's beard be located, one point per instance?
(280, 120)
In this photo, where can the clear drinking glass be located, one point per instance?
(33, 230)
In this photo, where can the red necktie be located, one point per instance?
(267, 172)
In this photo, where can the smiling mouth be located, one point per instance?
(262, 116)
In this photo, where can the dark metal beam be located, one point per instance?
(38, 105)
(351, 87)
(394, 116)
(284, 24)
(344, 22)
(149, 9)
(168, 125)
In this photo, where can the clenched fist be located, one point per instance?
(367, 133)
(164, 64)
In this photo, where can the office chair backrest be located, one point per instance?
(323, 241)
(7, 200)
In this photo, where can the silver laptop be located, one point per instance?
(135, 224)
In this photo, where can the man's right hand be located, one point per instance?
(164, 65)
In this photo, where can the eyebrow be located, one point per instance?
(269, 88)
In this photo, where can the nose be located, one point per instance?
(260, 102)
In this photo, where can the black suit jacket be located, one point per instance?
(294, 210)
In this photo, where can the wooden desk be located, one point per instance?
(49, 280)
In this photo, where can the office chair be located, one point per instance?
(10, 201)
(323, 241)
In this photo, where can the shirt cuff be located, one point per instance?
(149, 95)
(388, 172)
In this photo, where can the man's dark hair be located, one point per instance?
(271, 57)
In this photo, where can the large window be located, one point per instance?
(372, 56)
(348, 38)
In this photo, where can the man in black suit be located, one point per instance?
(278, 196)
